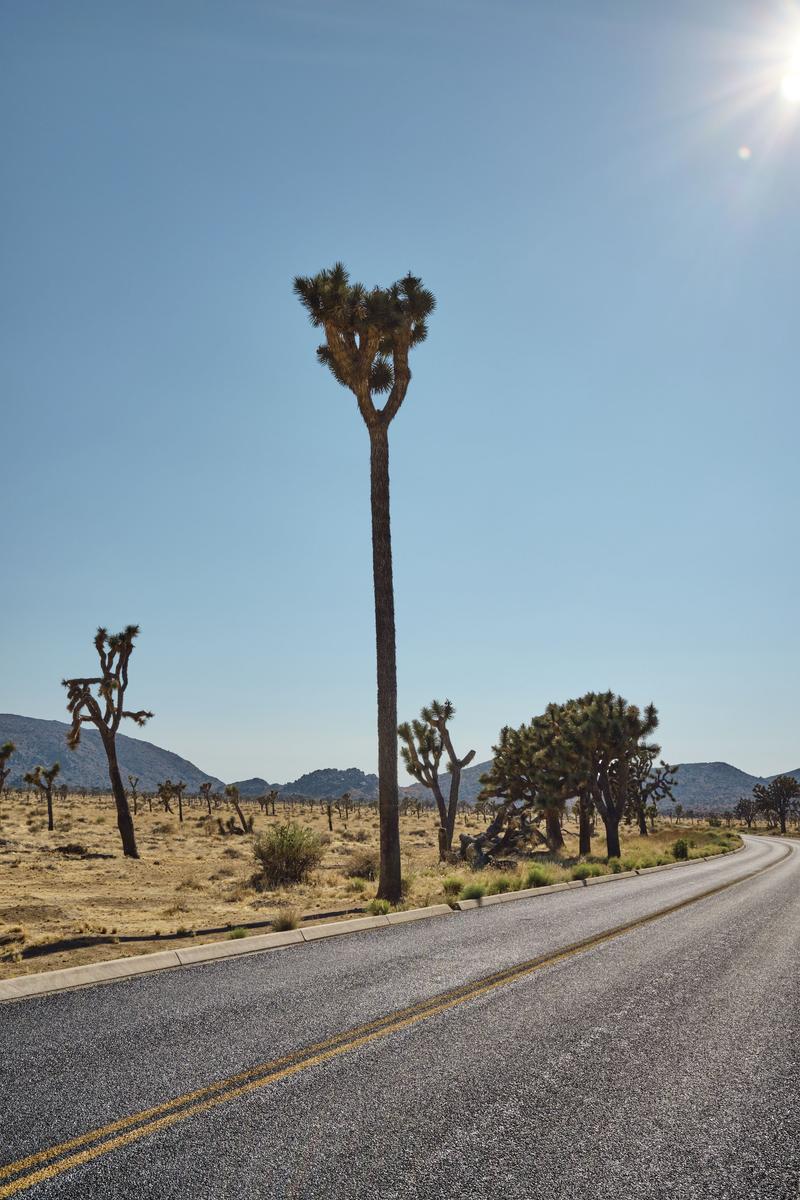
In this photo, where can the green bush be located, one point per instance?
(538, 876)
(473, 891)
(680, 849)
(452, 886)
(586, 870)
(286, 854)
(378, 908)
(238, 932)
(502, 884)
(615, 866)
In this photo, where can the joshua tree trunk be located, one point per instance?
(643, 822)
(388, 804)
(50, 822)
(555, 839)
(124, 819)
(584, 827)
(611, 822)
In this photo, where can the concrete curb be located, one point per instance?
(529, 893)
(125, 968)
(23, 986)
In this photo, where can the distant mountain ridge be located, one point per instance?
(701, 786)
(44, 742)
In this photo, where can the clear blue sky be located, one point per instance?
(595, 473)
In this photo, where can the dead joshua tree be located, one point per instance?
(232, 794)
(105, 711)
(43, 778)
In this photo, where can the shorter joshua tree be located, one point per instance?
(747, 808)
(105, 711)
(43, 778)
(6, 751)
(424, 743)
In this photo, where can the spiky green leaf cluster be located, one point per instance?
(368, 332)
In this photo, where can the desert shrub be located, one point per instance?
(286, 854)
(473, 891)
(362, 864)
(451, 886)
(680, 849)
(238, 932)
(378, 908)
(539, 876)
(287, 918)
(502, 884)
(586, 870)
(615, 866)
(357, 885)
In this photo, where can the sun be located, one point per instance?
(790, 87)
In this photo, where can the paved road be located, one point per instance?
(661, 1063)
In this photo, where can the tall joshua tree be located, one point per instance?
(106, 711)
(368, 337)
(43, 778)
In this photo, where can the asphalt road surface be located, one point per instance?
(662, 1062)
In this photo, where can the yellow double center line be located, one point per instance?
(55, 1160)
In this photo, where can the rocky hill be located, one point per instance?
(44, 742)
(330, 781)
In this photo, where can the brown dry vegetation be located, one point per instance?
(190, 878)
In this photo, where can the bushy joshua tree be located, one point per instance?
(106, 710)
(600, 739)
(6, 750)
(424, 743)
(746, 810)
(369, 334)
(43, 778)
(779, 798)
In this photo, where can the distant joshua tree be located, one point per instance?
(165, 792)
(232, 794)
(368, 337)
(105, 711)
(425, 741)
(44, 778)
(6, 750)
(133, 781)
(204, 792)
